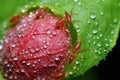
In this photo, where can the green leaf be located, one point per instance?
(97, 23)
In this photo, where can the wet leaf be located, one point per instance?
(97, 23)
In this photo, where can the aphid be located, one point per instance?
(72, 57)
(59, 75)
(40, 13)
(61, 24)
(76, 47)
(68, 17)
(14, 19)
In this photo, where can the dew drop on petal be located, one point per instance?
(13, 45)
(32, 50)
(48, 32)
(0, 46)
(54, 33)
(22, 70)
(28, 64)
(57, 58)
(10, 77)
(15, 58)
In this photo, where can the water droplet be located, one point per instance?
(6, 75)
(35, 56)
(19, 35)
(23, 10)
(112, 32)
(22, 70)
(94, 42)
(88, 41)
(5, 62)
(48, 32)
(48, 51)
(97, 1)
(111, 40)
(77, 62)
(54, 33)
(94, 31)
(26, 52)
(101, 13)
(95, 57)
(15, 58)
(33, 37)
(115, 20)
(44, 65)
(15, 77)
(78, 30)
(74, 67)
(38, 60)
(99, 45)
(106, 39)
(56, 4)
(32, 50)
(57, 58)
(44, 41)
(79, 3)
(82, 58)
(93, 16)
(28, 63)
(75, 0)
(33, 65)
(88, 22)
(95, 51)
(106, 45)
(11, 77)
(101, 35)
(0, 46)
(23, 62)
(37, 48)
(104, 50)
(6, 40)
(8, 65)
(96, 23)
(47, 43)
(90, 35)
(70, 73)
(99, 52)
(59, 44)
(98, 37)
(13, 45)
(44, 46)
(103, 0)
(119, 4)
